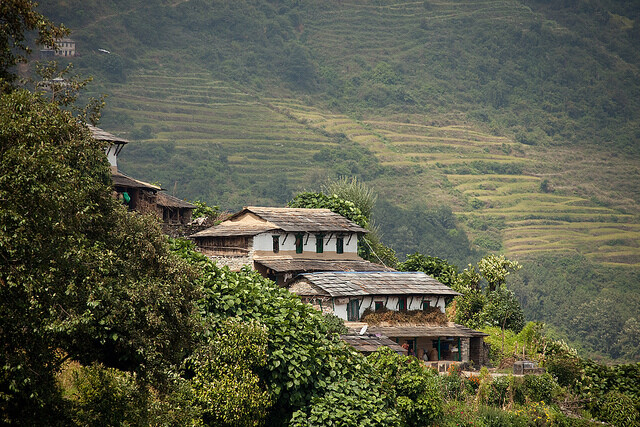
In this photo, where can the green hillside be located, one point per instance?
(520, 117)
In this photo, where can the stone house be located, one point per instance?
(350, 295)
(280, 243)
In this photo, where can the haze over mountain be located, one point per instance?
(487, 126)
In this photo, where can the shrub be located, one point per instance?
(492, 417)
(618, 409)
(106, 396)
(539, 388)
(499, 391)
(418, 399)
(567, 370)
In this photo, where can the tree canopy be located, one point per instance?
(81, 277)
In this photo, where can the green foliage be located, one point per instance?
(347, 403)
(106, 397)
(495, 270)
(225, 386)
(203, 210)
(503, 309)
(304, 361)
(346, 208)
(335, 325)
(81, 277)
(63, 87)
(437, 268)
(576, 299)
(355, 191)
(539, 388)
(618, 409)
(563, 363)
(424, 230)
(414, 387)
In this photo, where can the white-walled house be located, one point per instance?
(348, 294)
(282, 242)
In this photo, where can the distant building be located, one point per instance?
(65, 47)
(138, 195)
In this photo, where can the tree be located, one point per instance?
(438, 268)
(355, 191)
(503, 309)
(81, 278)
(17, 18)
(336, 204)
(370, 247)
(495, 270)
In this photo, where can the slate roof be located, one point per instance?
(103, 135)
(227, 229)
(172, 202)
(121, 180)
(289, 220)
(283, 264)
(448, 330)
(370, 343)
(341, 284)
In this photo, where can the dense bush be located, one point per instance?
(409, 386)
(539, 388)
(617, 408)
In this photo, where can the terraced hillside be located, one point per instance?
(203, 138)
(212, 140)
(512, 197)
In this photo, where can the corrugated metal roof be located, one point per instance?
(299, 219)
(300, 264)
(172, 202)
(370, 343)
(121, 180)
(103, 135)
(338, 284)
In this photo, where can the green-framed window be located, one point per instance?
(299, 243)
(319, 243)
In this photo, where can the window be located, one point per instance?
(426, 305)
(353, 310)
(319, 243)
(339, 245)
(402, 304)
(379, 305)
(276, 244)
(299, 243)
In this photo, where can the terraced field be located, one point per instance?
(500, 187)
(214, 141)
(232, 142)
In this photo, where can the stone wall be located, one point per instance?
(234, 263)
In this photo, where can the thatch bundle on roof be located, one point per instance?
(432, 316)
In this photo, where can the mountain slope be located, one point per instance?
(521, 117)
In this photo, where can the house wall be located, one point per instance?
(111, 156)
(263, 245)
(391, 303)
(235, 263)
(226, 246)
